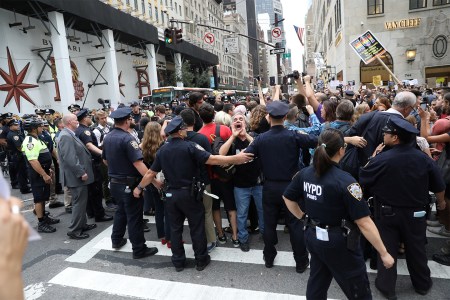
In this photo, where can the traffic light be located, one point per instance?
(168, 36)
(178, 36)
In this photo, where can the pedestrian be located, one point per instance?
(400, 207)
(278, 150)
(123, 157)
(76, 174)
(179, 160)
(334, 205)
(39, 160)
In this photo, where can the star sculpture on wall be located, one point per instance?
(14, 83)
(121, 84)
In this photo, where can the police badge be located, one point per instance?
(356, 191)
(87, 132)
(135, 145)
(30, 146)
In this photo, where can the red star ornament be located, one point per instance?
(14, 83)
(121, 84)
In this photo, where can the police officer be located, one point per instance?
(15, 138)
(333, 202)
(125, 169)
(400, 207)
(39, 160)
(4, 129)
(74, 108)
(95, 194)
(279, 150)
(179, 161)
(52, 130)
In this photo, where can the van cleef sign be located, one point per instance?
(406, 23)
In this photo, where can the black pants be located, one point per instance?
(181, 206)
(128, 214)
(273, 204)
(58, 186)
(404, 227)
(95, 191)
(331, 259)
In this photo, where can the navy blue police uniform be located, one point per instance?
(121, 150)
(327, 200)
(400, 206)
(179, 159)
(94, 206)
(12, 169)
(278, 150)
(15, 139)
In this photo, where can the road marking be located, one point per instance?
(88, 251)
(146, 288)
(34, 291)
(254, 256)
(151, 220)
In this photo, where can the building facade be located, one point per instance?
(415, 34)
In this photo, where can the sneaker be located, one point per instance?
(169, 244)
(222, 239)
(111, 207)
(442, 259)
(51, 221)
(228, 229)
(235, 242)
(56, 204)
(440, 231)
(44, 227)
(164, 241)
(434, 223)
(245, 247)
(211, 246)
(202, 266)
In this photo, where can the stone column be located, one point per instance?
(62, 62)
(110, 71)
(178, 71)
(151, 62)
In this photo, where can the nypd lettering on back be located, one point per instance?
(312, 191)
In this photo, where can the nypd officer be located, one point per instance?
(333, 201)
(15, 138)
(400, 207)
(179, 160)
(95, 198)
(123, 157)
(279, 151)
(39, 160)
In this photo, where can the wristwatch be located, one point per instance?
(139, 187)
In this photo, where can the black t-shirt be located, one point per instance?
(249, 174)
(85, 134)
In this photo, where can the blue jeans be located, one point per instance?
(243, 197)
(161, 215)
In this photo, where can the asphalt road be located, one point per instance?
(57, 267)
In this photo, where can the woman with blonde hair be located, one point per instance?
(360, 110)
(151, 142)
(222, 118)
(258, 121)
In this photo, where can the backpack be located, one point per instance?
(224, 173)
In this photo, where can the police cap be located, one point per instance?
(134, 103)
(12, 122)
(277, 109)
(82, 114)
(350, 93)
(73, 107)
(121, 113)
(39, 111)
(175, 125)
(7, 116)
(31, 123)
(399, 126)
(49, 111)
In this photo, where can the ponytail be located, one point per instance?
(330, 141)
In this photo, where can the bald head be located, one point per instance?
(70, 121)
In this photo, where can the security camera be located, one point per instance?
(362, 23)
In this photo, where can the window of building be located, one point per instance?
(176, 7)
(135, 4)
(143, 6)
(156, 14)
(330, 32)
(375, 7)
(440, 2)
(415, 4)
(337, 15)
(181, 14)
(150, 10)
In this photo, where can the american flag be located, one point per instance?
(299, 32)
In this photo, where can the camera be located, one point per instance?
(106, 103)
(258, 78)
(295, 74)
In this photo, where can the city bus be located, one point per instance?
(168, 93)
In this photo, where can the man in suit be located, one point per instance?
(76, 174)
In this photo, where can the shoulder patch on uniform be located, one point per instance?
(134, 144)
(1, 130)
(87, 132)
(301, 132)
(16, 138)
(356, 191)
(30, 146)
(199, 147)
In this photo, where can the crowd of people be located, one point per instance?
(327, 164)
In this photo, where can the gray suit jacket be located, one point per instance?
(74, 160)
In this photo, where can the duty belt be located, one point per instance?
(313, 224)
(128, 180)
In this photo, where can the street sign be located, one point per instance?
(277, 50)
(277, 35)
(209, 38)
(367, 47)
(277, 7)
(287, 55)
(231, 45)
